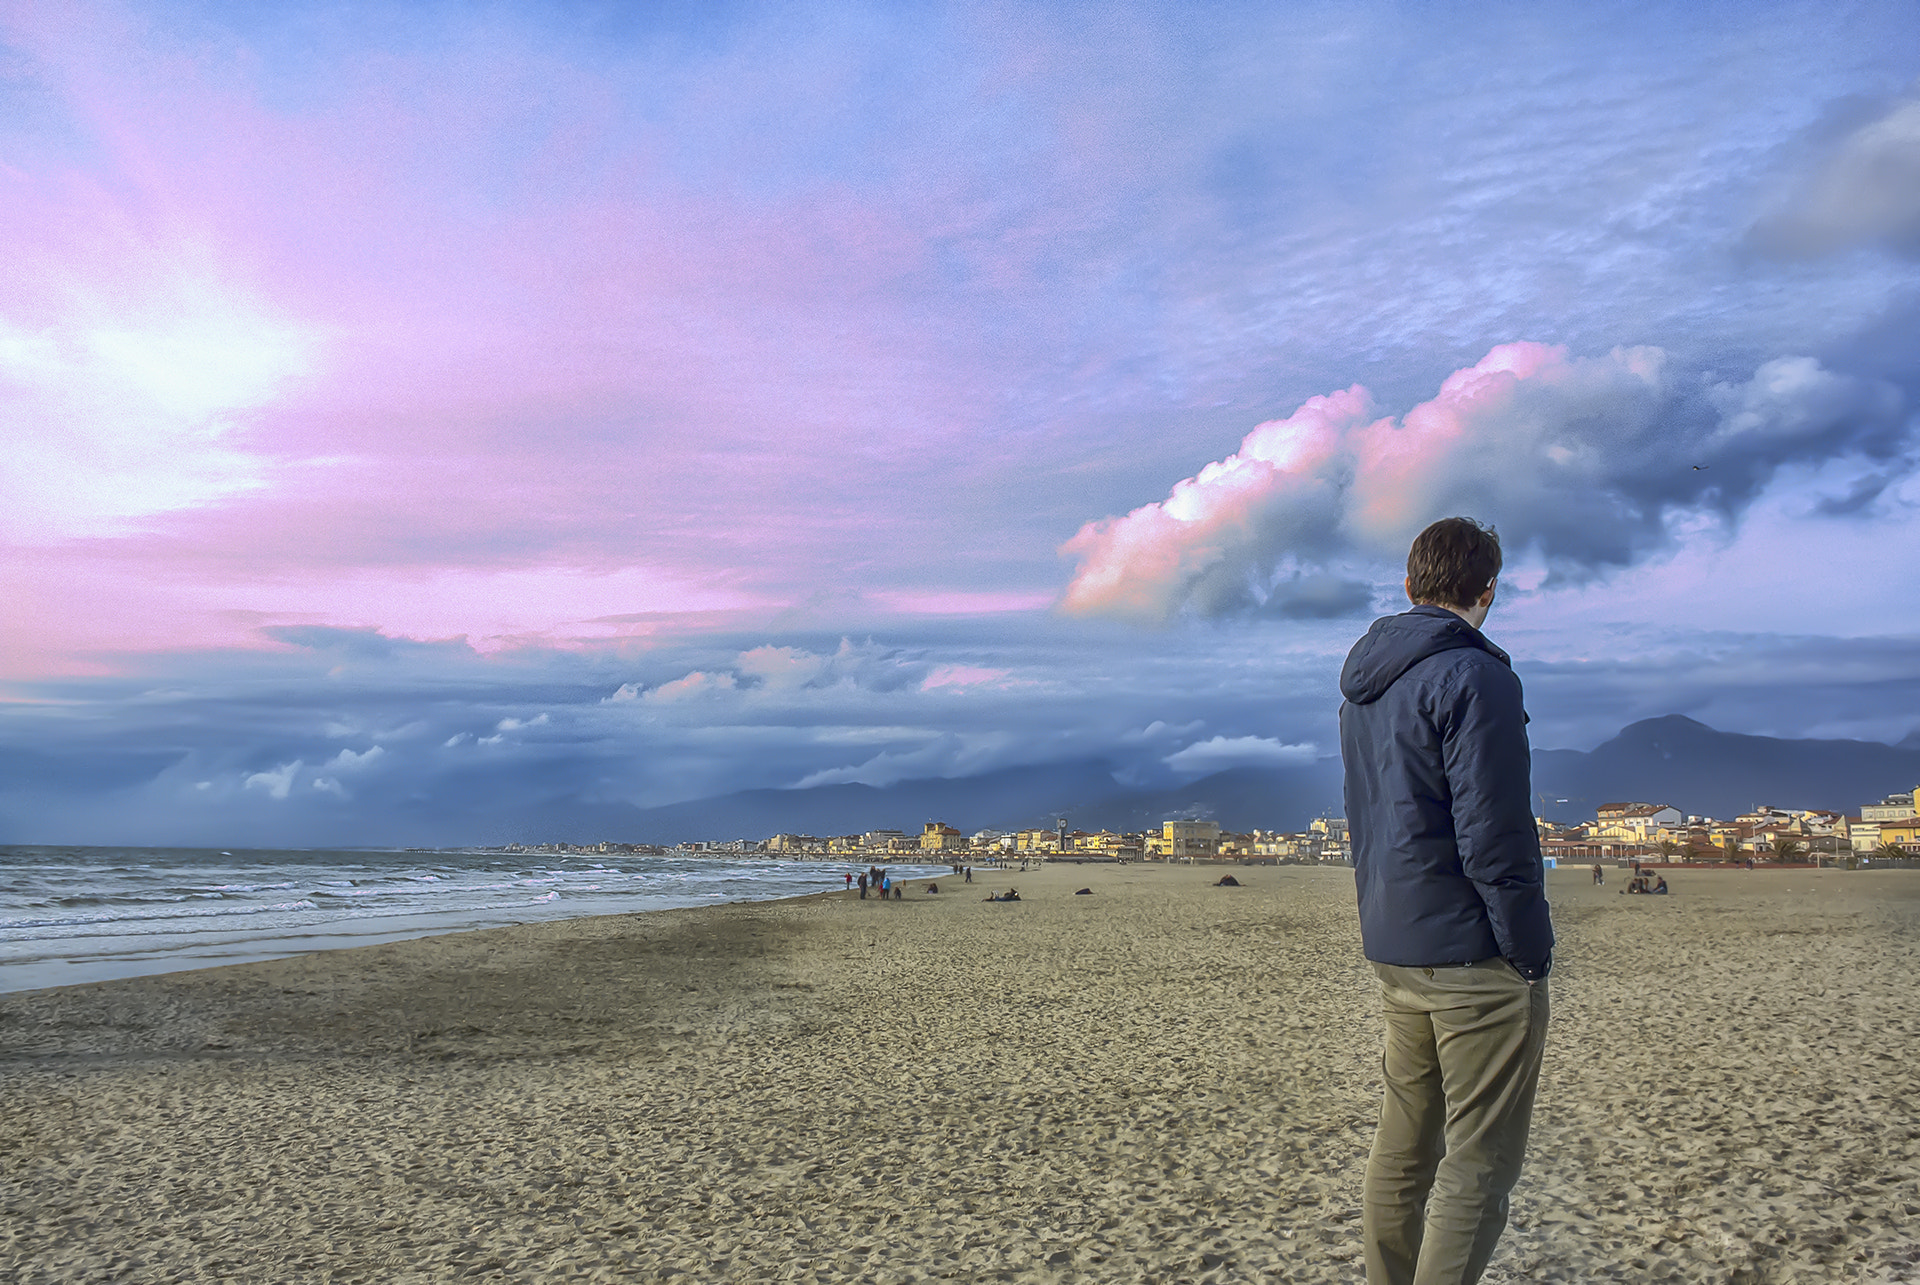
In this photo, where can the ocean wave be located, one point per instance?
(49, 902)
(156, 896)
(130, 916)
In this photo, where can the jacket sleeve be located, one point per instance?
(1490, 772)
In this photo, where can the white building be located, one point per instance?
(1638, 821)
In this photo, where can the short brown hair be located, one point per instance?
(1452, 562)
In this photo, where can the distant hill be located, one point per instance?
(1240, 798)
(1082, 791)
(1699, 770)
(1011, 796)
(1664, 760)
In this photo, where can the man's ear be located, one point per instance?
(1408, 582)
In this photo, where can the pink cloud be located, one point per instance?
(1284, 486)
(691, 686)
(961, 677)
(1581, 461)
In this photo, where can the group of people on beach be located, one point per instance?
(876, 880)
(1642, 882)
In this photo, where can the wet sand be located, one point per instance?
(1163, 1081)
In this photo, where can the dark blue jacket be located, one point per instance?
(1439, 797)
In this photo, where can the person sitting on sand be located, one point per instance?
(1659, 886)
(933, 890)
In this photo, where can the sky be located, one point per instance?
(416, 407)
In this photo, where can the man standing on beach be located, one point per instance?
(1453, 912)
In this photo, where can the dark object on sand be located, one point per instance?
(1227, 881)
(933, 888)
(1084, 892)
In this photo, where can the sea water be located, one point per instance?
(87, 914)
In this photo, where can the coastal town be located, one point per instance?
(1649, 833)
(1662, 833)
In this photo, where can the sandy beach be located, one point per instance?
(1163, 1081)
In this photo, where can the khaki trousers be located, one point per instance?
(1462, 1062)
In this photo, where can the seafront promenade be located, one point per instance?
(1162, 1080)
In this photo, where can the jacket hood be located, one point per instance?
(1396, 644)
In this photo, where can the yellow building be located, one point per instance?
(1185, 840)
(938, 837)
(1902, 834)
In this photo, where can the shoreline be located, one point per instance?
(128, 941)
(135, 967)
(1163, 1080)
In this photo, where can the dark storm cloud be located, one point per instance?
(294, 751)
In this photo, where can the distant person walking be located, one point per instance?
(1599, 875)
(1453, 912)
(849, 881)
(863, 887)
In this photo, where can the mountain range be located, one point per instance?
(1673, 759)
